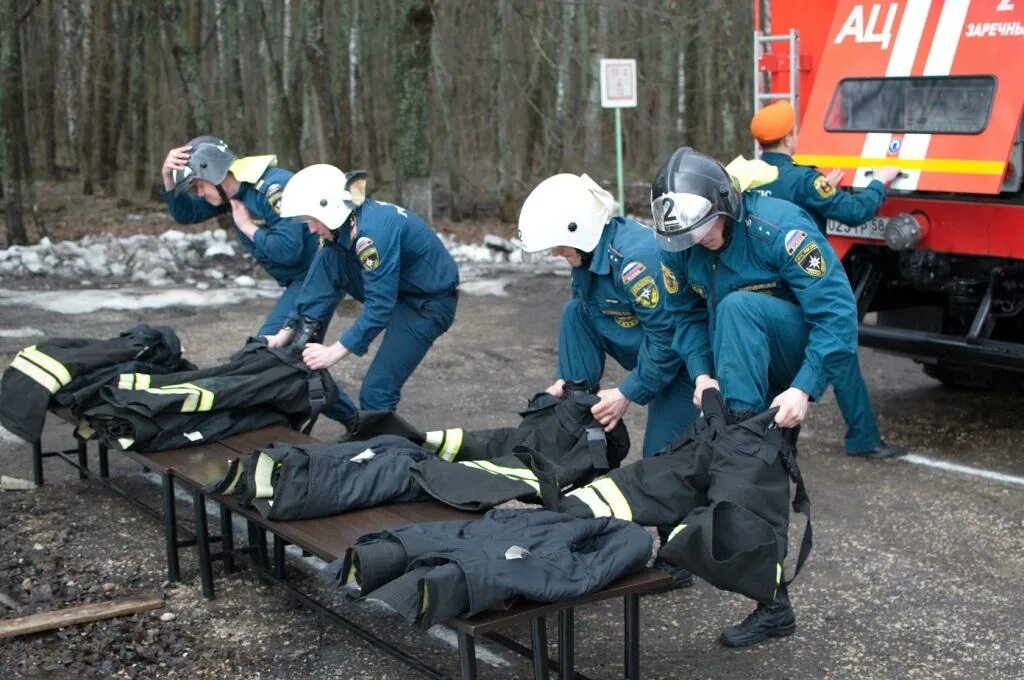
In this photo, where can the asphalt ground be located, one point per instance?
(917, 571)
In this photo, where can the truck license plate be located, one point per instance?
(872, 229)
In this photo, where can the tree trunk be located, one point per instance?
(69, 85)
(12, 172)
(48, 84)
(559, 130)
(320, 77)
(289, 129)
(444, 94)
(139, 89)
(194, 103)
(500, 112)
(357, 120)
(593, 161)
(87, 138)
(194, 21)
(412, 146)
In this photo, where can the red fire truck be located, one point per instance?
(937, 89)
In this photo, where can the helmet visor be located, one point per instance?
(681, 220)
(182, 178)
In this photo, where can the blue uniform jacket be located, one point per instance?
(399, 256)
(285, 249)
(773, 249)
(810, 190)
(622, 291)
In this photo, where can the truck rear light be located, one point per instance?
(906, 230)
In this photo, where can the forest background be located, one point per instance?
(472, 101)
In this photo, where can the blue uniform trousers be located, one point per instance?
(415, 324)
(581, 355)
(759, 345)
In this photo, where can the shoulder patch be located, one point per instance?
(362, 243)
(668, 278)
(369, 259)
(645, 292)
(811, 260)
(823, 187)
(632, 270)
(794, 237)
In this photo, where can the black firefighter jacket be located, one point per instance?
(557, 444)
(303, 481)
(724, 488)
(258, 386)
(71, 370)
(436, 571)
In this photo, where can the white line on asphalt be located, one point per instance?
(918, 459)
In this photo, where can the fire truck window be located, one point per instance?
(934, 105)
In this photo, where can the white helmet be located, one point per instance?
(321, 192)
(565, 210)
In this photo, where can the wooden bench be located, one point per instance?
(328, 538)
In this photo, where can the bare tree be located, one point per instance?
(12, 164)
(413, 26)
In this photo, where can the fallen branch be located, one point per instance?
(23, 625)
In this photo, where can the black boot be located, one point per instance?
(771, 619)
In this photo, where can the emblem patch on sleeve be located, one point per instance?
(823, 187)
(697, 289)
(794, 237)
(632, 270)
(645, 292)
(367, 252)
(811, 260)
(668, 277)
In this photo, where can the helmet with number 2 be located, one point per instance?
(688, 194)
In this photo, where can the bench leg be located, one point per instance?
(258, 544)
(539, 643)
(83, 459)
(170, 529)
(203, 544)
(632, 646)
(467, 656)
(279, 544)
(104, 463)
(566, 644)
(37, 462)
(227, 538)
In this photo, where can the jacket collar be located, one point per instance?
(601, 262)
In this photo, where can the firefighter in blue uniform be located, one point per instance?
(766, 311)
(616, 308)
(384, 256)
(773, 128)
(250, 188)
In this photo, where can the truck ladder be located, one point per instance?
(765, 64)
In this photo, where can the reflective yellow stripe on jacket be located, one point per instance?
(42, 368)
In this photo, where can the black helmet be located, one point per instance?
(209, 160)
(689, 192)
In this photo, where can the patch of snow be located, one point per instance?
(127, 299)
(23, 332)
(219, 249)
(245, 282)
(495, 287)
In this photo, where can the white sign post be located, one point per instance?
(618, 91)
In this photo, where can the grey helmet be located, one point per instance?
(209, 160)
(688, 194)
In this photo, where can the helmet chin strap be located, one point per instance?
(585, 258)
(223, 195)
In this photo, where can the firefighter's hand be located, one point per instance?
(557, 389)
(792, 407)
(176, 160)
(243, 220)
(322, 356)
(835, 177)
(702, 383)
(280, 338)
(610, 409)
(886, 174)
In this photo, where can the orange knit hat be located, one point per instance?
(773, 122)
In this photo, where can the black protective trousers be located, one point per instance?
(725, 490)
